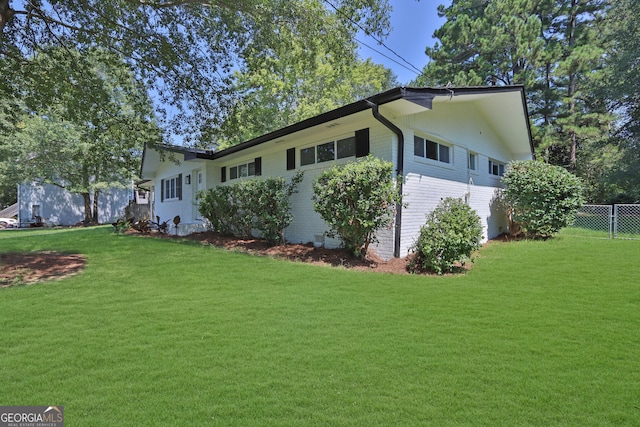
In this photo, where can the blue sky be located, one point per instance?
(413, 23)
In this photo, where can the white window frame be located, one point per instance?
(437, 160)
(501, 167)
(472, 166)
(335, 142)
(243, 170)
(171, 188)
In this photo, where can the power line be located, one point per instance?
(380, 42)
(388, 57)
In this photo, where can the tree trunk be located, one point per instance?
(87, 208)
(94, 216)
(572, 84)
(6, 13)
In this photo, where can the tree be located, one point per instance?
(619, 86)
(94, 119)
(8, 180)
(183, 50)
(356, 201)
(540, 197)
(551, 47)
(277, 91)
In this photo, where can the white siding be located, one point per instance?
(187, 207)
(423, 193)
(427, 182)
(307, 224)
(60, 207)
(459, 125)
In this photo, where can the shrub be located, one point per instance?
(541, 198)
(452, 232)
(239, 208)
(121, 226)
(216, 205)
(356, 200)
(272, 207)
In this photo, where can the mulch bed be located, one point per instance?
(306, 253)
(22, 268)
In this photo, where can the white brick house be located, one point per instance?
(445, 142)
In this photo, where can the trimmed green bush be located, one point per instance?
(541, 198)
(357, 200)
(272, 206)
(253, 204)
(218, 207)
(452, 232)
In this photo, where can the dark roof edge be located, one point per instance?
(363, 104)
(188, 153)
(193, 153)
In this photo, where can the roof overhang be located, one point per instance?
(502, 106)
(154, 153)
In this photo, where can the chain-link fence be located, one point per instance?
(596, 219)
(626, 222)
(609, 221)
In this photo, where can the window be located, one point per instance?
(35, 211)
(244, 170)
(346, 147)
(496, 168)
(172, 188)
(328, 151)
(431, 150)
(472, 161)
(308, 156)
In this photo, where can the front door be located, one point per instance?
(199, 186)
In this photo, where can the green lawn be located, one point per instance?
(158, 332)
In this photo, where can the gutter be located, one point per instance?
(399, 171)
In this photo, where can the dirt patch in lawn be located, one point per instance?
(23, 268)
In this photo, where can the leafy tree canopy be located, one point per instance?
(183, 50)
(85, 137)
(578, 61)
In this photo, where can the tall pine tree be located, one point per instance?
(552, 47)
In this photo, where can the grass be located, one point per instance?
(156, 332)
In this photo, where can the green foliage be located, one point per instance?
(554, 48)
(239, 208)
(619, 86)
(216, 205)
(121, 226)
(184, 51)
(357, 200)
(272, 204)
(274, 92)
(93, 120)
(448, 238)
(541, 198)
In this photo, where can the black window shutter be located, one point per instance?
(162, 190)
(362, 142)
(223, 174)
(258, 166)
(291, 159)
(179, 187)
